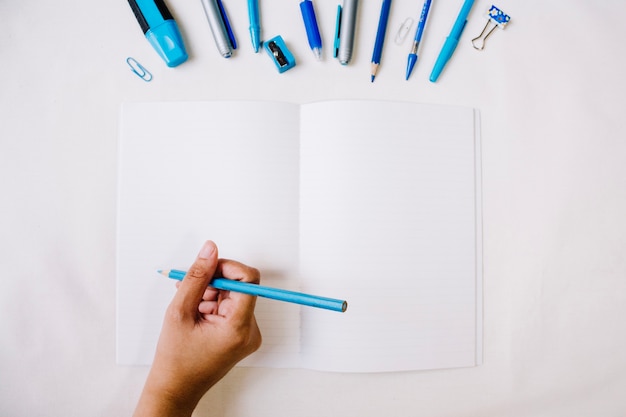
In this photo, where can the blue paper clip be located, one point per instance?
(496, 18)
(138, 69)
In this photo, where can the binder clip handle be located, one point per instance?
(479, 41)
(496, 19)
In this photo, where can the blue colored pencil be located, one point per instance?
(380, 36)
(267, 292)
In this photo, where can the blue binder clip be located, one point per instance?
(496, 18)
(280, 54)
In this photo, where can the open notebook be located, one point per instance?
(377, 203)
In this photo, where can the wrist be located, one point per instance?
(159, 401)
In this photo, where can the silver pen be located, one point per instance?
(346, 30)
(218, 27)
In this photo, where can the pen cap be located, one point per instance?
(167, 41)
(310, 23)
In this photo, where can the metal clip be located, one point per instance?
(403, 31)
(138, 69)
(497, 19)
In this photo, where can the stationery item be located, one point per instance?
(160, 29)
(418, 37)
(280, 54)
(336, 37)
(380, 36)
(496, 19)
(403, 31)
(268, 292)
(139, 69)
(345, 30)
(220, 27)
(255, 24)
(452, 40)
(312, 30)
(333, 197)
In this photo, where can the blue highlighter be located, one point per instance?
(160, 29)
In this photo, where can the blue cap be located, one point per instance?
(168, 42)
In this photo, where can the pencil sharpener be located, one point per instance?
(280, 54)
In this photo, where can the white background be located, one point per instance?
(550, 88)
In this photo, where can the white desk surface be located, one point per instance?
(550, 88)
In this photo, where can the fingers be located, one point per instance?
(194, 285)
(242, 305)
(208, 307)
(237, 271)
(209, 294)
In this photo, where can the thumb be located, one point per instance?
(189, 294)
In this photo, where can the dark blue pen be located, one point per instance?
(160, 29)
(312, 30)
(220, 27)
(418, 37)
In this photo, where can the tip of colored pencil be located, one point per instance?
(374, 70)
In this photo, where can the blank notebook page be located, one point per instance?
(377, 203)
(195, 171)
(392, 219)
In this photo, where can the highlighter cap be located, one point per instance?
(168, 42)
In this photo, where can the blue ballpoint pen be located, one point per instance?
(312, 30)
(418, 37)
(255, 25)
(160, 29)
(380, 36)
(268, 292)
(452, 40)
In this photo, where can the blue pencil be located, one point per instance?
(267, 292)
(380, 36)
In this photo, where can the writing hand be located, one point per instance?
(205, 333)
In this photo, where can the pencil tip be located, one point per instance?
(373, 76)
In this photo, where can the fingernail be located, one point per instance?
(207, 250)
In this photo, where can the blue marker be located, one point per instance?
(160, 29)
(312, 30)
(452, 40)
(268, 292)
(255, 24)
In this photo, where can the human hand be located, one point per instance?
(205, 333)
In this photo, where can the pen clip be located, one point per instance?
(337, 32)
(231, 35)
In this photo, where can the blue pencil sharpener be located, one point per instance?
(280, 54)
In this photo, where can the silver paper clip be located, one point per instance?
(138, 69)
(496, 19)
(403, 31)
